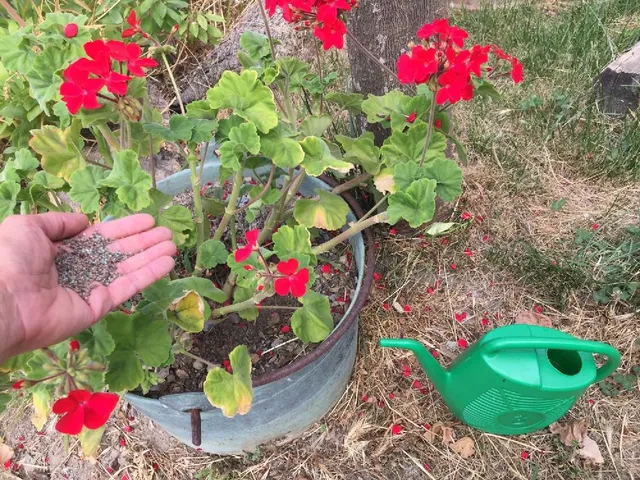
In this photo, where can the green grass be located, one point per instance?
(562, 54)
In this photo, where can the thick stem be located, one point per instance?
(200, 359)
(267, 29)
(231, 206)
(102, 165)
(12, 13)
(152, 161)
(129, 135)
(227, 288)
(276, 212)
(197, 206)
(173, 82)
(319, 60)
(109, 137)
(352, 230)
(238, 307)
(432, 112)
(122, 134)
(366, 51)
(354, 182)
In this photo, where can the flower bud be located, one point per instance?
(70, 30)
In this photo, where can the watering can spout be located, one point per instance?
(438, 375)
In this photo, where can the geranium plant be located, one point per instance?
(272, 125)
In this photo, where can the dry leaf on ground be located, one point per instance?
(398, 307)
(464, 447)
(6, 453)
(532, 318)
(439, 430)
(575, 432)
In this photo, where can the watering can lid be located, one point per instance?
(546, 368)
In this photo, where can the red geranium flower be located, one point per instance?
(134, 22)
(331, 34)
(294, 280)
(100, 52)
(74, 345)
(130, 53)
(245, 252)
(80, 91)
(82, 408)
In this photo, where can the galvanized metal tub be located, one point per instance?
(286, 401)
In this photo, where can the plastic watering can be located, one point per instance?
(516, 379)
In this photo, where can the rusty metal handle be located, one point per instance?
(196, 427)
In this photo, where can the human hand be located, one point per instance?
(34, 310)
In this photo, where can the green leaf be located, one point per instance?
(90, 441)
(24, 160)
(201, 109)
(97, 340)
(283, 150)
(315, 125)
(16, 51)
(384, 181)
(232, 393)
(140, 340)
(242, 139)
(448, 175)
(557, 206)
(293, 242)
(213, 253)
(41, 398)
(292, 70)
(60, 154)
(318, 157)
(188, 312)
(48, 181)
(201, 285)
(460, 150)
(379, 108)
(416, 204)
(329, 213)
(313, 322)
(15, 363)
(439, 228)
(45, 84)
(84, 188)
(241, 294)
(352, 102)
(8, 198)
(180, 128)
(361, 151)
(409, 105)
(176, 218)
(255, 44)
(131, 182)
(9, 173)
(407, 146)
(248, 98)
(203, 130)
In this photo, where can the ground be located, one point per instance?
(551, 189)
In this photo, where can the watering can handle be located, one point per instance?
(574, 344)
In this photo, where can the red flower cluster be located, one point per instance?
(441, 56)
(134, 24)
(321, 15)
(293, 280)
(84, 409)
(252, 242)
(85, 77)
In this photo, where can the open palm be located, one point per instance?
(35, 311)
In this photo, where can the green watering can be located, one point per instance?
(516, 379)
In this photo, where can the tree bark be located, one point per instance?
(385, 27)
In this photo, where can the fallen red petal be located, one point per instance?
(434, 353)
(537, 309)
(326, 268)
(396, 429)
(417, 385)
(484, 321)
(386, 306)
(468, 252)
(392, 396)
(453, 266)
(524, 455)
(365, 398)
(407, 308)
(462, 343)
(376, 276)
(285, 329)
(460, 317)
(595, 226)
(393, 231)
(430, 290)
(128, 428)
(465, 216)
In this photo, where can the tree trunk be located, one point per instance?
(385, 27)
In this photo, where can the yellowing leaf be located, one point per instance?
(384, 181)
(329, 212)
(232, 393)
(90, 441)
(464, 447)
(60, 154)
(590, 451)
(41, 399)
(189, 312)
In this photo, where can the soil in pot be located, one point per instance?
(269, 338)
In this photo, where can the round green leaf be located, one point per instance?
(329, 212)
(8, 198)
(242, 139)
(248, 98)
(231, 392)
(313, 322)
(131, 182)
(283, 150)
(416, 204)
(293, 242)
(213, 253)
(448, 175)
(60, 154)
(379, 108)
(407, 146)
(318, 157)
(188, 312)
(361, 151)
(84, 188)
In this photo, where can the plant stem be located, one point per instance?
(227, 288)
(204, 157)
(237, 307)
(197, 206)
(354, 182)
(352, 230)
(295, 186)
(432, 112)
(173, 82)
(366, 51)
(152, 161)
(276, 212)
(122, 134)
(232, 233)
(374, 208)
(319, 60)
(277, 307)
(102, 165)
(109, 137)
(267, 29)
(12, 13)
(129, 135)
(231, 206)
(261, 194)
(199, 359)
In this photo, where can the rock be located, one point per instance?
(255, 358)
(274, 319)
(182, 374)
(195, 81)
(618, 86)
(163, 372)
(171, 378)
(198, 365)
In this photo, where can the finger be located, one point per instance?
(58, 226)
(141, 241)
(130, 265)
(124, 227)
